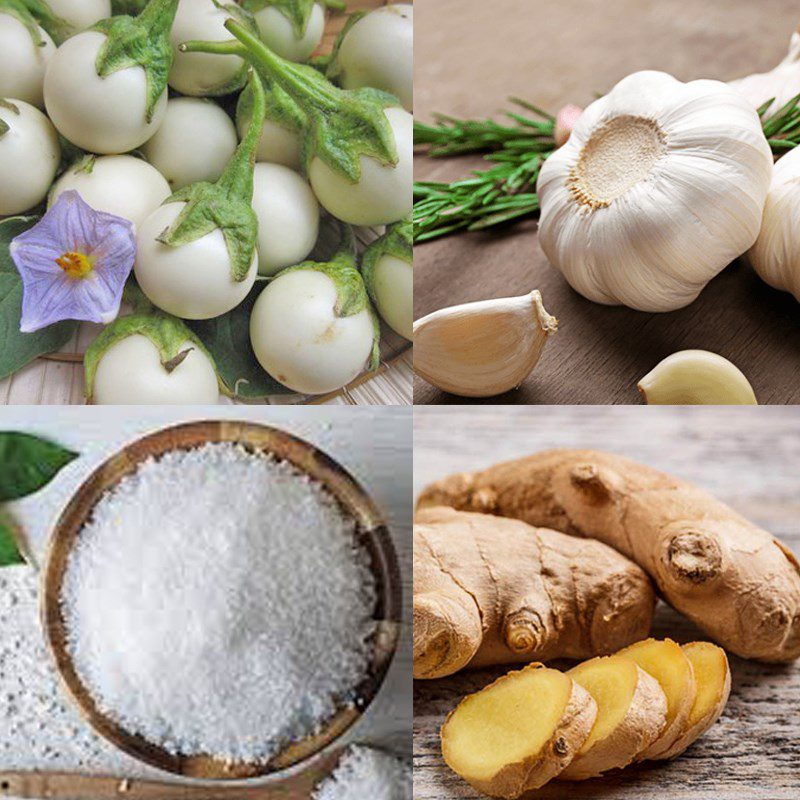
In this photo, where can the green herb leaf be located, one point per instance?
(18, 349)
(10, 553)
(227, 338)
(28, 463)
(141, 41)
(168, 334)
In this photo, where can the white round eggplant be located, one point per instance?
(193, 280)
(383, 194)
(288, 217)
(122, 185)
(378, 51)
(298, 338)
(203, 74)
(393, 289)
(278, 145)
(278, 32)
(100, 115)
(81, 14)
(22, 61)
(130, 372)
(194, 143)
(29, 156)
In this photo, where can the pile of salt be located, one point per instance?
(367, 774)
(218, 602)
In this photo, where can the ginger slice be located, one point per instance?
(631, 714)
(713, 678)
(670, 666)
(519, 732)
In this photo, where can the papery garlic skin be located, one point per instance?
(696, 378)
(776, 254)
(660, 186)
(482, 349)
(781, 83)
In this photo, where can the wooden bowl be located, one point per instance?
(371, 530)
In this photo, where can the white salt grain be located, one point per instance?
(217, 602)
(367, 774)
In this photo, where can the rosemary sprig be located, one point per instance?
(782, 129)
(506, 192)
(503, 193)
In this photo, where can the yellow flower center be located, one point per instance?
(76, 265)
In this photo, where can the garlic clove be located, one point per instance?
(482, 349)
(696, 378)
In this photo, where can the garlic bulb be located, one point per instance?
(660, 186)
(482, 349)
(696, 378)
(776, 254)
(781, 83)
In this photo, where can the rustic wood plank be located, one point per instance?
(746, 457)
(470, 56)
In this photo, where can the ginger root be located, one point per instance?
(732, 578)
(489, 590)
(631, 715)
(519, 732)
(713, 679)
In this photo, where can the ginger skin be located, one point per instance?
(733, 579)
(490, 590)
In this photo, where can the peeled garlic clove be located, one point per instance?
(696, 378)
(781, 83)
(776, 254)
(482, 349)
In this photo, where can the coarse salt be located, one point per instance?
(367, 774)
(217, 602)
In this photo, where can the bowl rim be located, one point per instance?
(371, 529)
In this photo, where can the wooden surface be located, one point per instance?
(470, 55)
(60, 382)
(68, 786)
(749, 459)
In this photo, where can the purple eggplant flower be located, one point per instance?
(73, 263)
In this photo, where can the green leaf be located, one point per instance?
(18, 349)
(28, 463)
(227, 338)
(141, 41)
(10, 553)
(167, 333)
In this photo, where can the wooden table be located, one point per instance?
(748, 459)
(470, 56)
